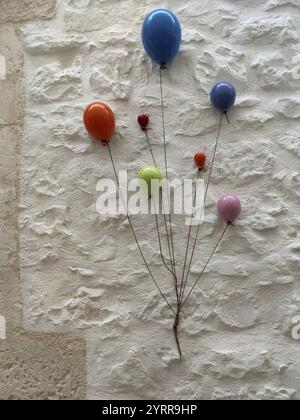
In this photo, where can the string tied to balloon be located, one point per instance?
(229, 209)
(227, 118)
(161, 37)
(150, 174)
(223, 96)
(99, 121)
(143, 121)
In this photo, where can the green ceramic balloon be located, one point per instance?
(149, 173)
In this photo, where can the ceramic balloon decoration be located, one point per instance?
(229, 207)
(200, 160)
(149, 174)
(223, 96)
(161, 36)
(143, 121)
(99, 121)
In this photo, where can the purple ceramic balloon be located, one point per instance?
(229, 207)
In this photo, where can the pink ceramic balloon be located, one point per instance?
(229, 207)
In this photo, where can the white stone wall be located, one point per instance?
(83, 272)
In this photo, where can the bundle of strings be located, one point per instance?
(180, 283)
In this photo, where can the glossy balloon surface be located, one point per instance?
(143, 121)
(229, 207)
(223, 96)
(149, 173)
(200, 160)
(99, 121)
(161, 36)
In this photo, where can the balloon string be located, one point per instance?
(133, 232)
(187, 245)
(163, 119)
(170, 253)
(204, 268)
(150, 147)
(166, 227)
(204, 201)
(160, 243)
(175, 330)
(226, 113)
(214, 155)
(162, 67)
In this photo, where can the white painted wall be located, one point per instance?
(83, 272)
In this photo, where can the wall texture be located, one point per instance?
(81, 272)
(33, 365)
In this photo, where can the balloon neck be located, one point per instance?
(163, 66)
(105, 143)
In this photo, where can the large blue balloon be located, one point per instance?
(161, 35)
(223, 96)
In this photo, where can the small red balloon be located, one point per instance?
(143, 121)
(99, 121)
(200, 160)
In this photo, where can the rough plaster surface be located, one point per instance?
(82, 272)
(33, 365)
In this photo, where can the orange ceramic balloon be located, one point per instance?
(99, 121)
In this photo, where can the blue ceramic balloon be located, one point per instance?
(223, 96)
(161, 35)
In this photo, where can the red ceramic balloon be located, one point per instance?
(143, 120)
(200, 160)
(99, 121)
